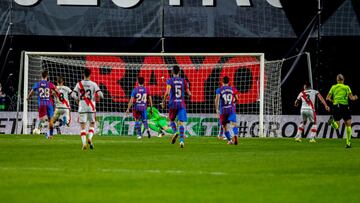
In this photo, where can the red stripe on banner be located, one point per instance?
(87, 100)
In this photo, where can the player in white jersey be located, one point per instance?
(62, 105)
(307, 97)
(85, 92)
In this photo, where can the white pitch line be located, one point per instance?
(156, 171)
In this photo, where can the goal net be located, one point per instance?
(257, 82)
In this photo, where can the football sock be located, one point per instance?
(173, 126)
(182, 131)
(91, 133)
(83, 136)
(300, 130)
(146, 126)
(348, 134)
(227, 135)
(334, 125)
(236, 131)
(313, 131)
(138, 127)
(51, 131)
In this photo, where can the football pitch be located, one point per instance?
(124, 169)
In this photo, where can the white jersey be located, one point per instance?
(62, 102)
(308, 98)
(85, 92)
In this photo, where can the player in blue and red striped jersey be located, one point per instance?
(225, 107)
(44, 90)
(176, 88)
(139, 96)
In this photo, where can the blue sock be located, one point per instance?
(138, 127)
(236, 131)
(173, 126)
(182, 131)
(227, 135)
(146, 126)
(51, 131)
(64, 120)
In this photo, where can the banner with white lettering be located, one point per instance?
(154, 18)
(117, 124)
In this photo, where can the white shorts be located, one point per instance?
(61, 113)
(308, 115)
(87, 117)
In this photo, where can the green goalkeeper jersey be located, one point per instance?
(154, 115)
(340, 94)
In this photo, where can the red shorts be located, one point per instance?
(139, 115)
(45, 110)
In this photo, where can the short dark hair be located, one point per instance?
(87, 72)
(60, 79)
(307, 84)
(176, 69)
(44, 73)
(141, 80)
(226, 80)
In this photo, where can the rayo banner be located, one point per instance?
(117, 124)
(163, 18)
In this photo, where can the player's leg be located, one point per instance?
(145, 122)
(300, 129)
(232, 119)
(137, 117)
(182, 117)
(83, 120)
(172, 116)
(164, 127)
(42, 117)
(91, 119)
(313, 130)
(50, 114)
(347, 119)
(54, 119)
(334, 120)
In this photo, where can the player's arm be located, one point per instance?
(98, 92)
(329, 95)
(297, 102)
(30, 94)
(187, 88)
(351, 96)
(150, 102)
(323, 101)
(168, 88)
(75, 93)
(131, 101)
(217, 102)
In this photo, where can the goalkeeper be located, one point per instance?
(158, 122)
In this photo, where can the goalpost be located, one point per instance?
(257, 82)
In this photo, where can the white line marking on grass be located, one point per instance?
(157, 171)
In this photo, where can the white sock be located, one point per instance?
(83, 137)
(313, 132)
(91, 133)
(300, 131)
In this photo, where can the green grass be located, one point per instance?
(123, 169)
